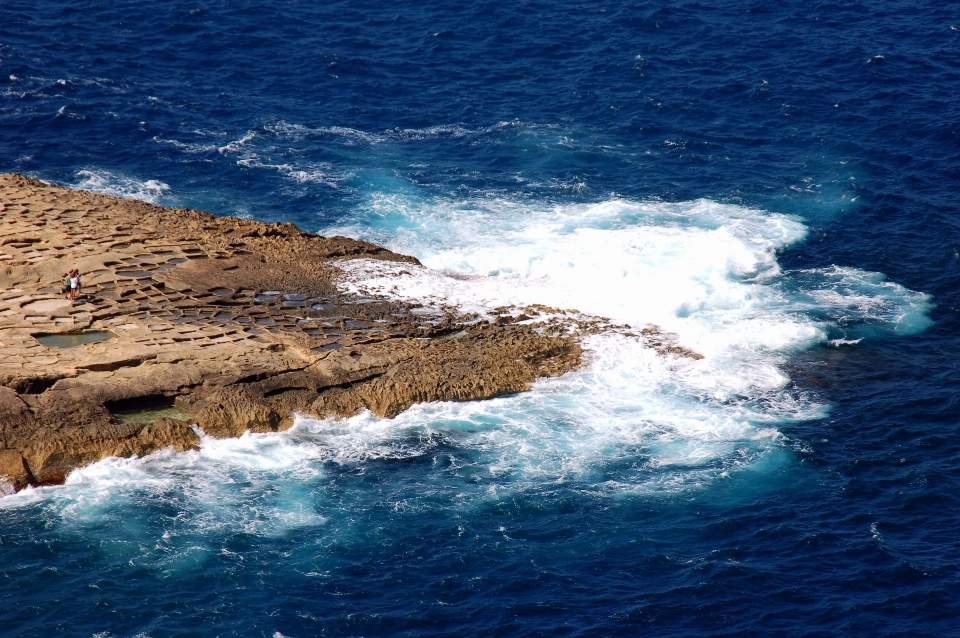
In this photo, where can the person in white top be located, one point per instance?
(74, 284)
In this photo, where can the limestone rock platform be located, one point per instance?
(213, 322)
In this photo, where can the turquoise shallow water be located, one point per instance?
(774, 185)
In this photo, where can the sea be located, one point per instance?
(774, 184)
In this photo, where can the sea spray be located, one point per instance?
(119, 185)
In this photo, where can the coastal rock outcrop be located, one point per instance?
(188, 319)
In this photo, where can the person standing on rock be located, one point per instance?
(74, 284)
(65, 288)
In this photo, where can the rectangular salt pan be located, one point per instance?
(73, 339)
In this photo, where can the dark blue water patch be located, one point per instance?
(592, 568)
(618, 115)
(841, 113)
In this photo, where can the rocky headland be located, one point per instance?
(186, 319)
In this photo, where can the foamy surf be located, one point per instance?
(212, 484)
(118, 185)
(623, 408)
(704, 271)
(630, 422)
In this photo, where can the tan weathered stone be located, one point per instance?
(183, 294)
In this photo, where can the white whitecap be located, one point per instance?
(705, 271)
(117, 184)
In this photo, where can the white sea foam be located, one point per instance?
(624, 409)
(119, 185)
(212, 485)
(853, 296)
(237, 145)
(187, 147)
(707, 272)
(296, 132)
(700, 269)
(276, 147)
(315, 173)
(249, 155)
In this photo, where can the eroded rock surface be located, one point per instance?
(238, 323)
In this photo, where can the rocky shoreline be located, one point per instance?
(189, 320)
(232, 325)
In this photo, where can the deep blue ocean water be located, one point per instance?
(776, 183)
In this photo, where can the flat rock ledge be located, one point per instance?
(226, 324)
